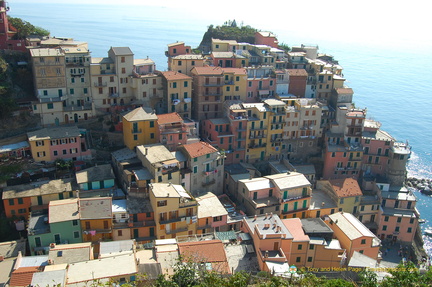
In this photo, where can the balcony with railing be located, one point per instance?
(86, 106)
(266, 202)
(172, 220)
(120, 223)
(257, 136)
(100, 84)
(107, 72)
(214, 83)
(53, 99)
(136, 131)
(76, 63)
(142, 223)
(187, 203)
(201, 227)
(276, 139)
(170, 169)
(98, 231)
(169, 129)
(253, 146)
(208, 183)
(177, 230)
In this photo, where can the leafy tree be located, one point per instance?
(368, 278)
(284, 47)
(25, 29)
(407, 274)
(229, 32)
(62, 164)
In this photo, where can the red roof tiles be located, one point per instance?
(211, 251)
(199, 149)
(346, 187)
(297, 72)
(208, 70)
(23, 276)
(172, 75)
(169, 118)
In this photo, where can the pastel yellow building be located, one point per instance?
(224, 45)
(140, 127)
(185, 63)
(257, 131)
(234, 87)
(276, 118)
(175, 210)
(177, 93)
(346, 193)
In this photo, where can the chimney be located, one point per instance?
(266, 215)
(255, 217)
(145, 151)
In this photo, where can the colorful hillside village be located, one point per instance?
(247, 158)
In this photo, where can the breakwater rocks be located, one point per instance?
(424, 185)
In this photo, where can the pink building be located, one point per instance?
(67, 143)
(228, 133)
(178, 48)
(172, 130)
(376, 145)
(260, 88)
(266, 38)
(271, 239)
(398, 217)
(7, 32)
(212, 215)
(260, 84)
(340, 162)
(222, 134)
(344, 151)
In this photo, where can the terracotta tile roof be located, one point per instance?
(297, 72)
(23, 276)
(172, 76)
(295, 227)
(346, 187)
(199, 149)
(169, 118)
(237, 71)
(208, 70)
(211, 251)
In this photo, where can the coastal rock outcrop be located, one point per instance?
(422, 184)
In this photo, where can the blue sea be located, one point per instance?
(389, 70)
